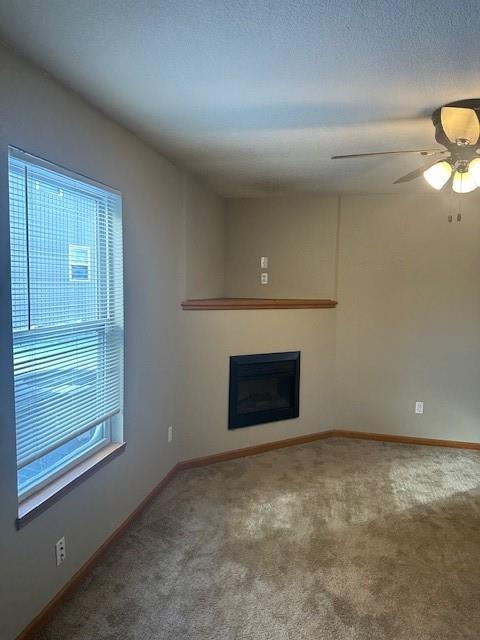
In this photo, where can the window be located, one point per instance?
(67, 317)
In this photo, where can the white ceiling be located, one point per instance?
(256, 95)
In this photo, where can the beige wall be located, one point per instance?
(38, 115)
(297, 234)
(408, 319)
(299, 237)
(209, 338)
(204, 243)
(407, 326)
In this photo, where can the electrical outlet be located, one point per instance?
(264, 262)
(264, 278)
(170, 433)
(60, 551)
(418, 408)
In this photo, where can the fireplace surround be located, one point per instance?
(263, 388)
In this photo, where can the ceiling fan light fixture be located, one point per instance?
(464, 181)
(438, 174)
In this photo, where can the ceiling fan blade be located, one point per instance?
(423, 152)
(416, 173)
(460, 124)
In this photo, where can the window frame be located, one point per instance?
(70, 464)
(38, 496)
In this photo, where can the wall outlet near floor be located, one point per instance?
(60, 551)
(263, 262)
(264, 278)
(418, 408)
(170, 433)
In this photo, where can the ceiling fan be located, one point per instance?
(457, 128)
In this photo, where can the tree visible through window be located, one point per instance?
(67, 317)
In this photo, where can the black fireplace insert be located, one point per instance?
(263, 388)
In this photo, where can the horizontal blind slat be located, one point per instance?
(65, 438)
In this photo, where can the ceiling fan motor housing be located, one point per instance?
(440, 135)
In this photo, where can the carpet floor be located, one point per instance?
(335, 540)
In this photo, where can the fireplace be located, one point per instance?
(263, 388)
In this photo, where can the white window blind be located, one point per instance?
(67, 316)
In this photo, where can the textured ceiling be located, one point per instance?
(255, 96)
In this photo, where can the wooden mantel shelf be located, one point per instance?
(223, 304)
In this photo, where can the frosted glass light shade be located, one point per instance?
(438, 174)
(463, 182)
(474, 169)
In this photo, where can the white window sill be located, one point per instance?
(36, 503)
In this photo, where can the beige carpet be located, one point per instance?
(335, 540)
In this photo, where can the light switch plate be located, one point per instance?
(264, 278)
(263, 262)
